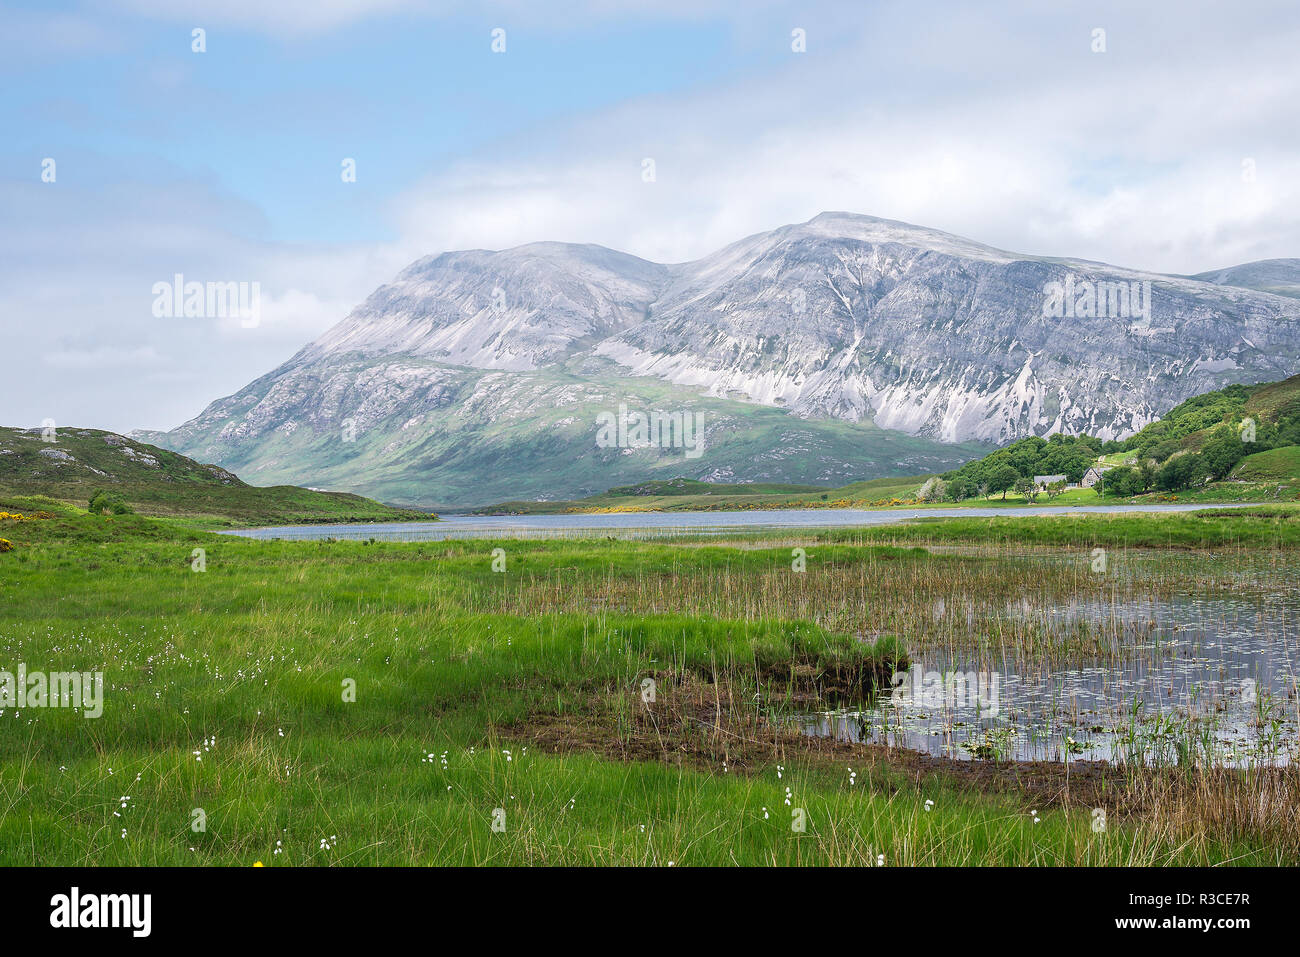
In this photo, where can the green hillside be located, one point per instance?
(1241, 443)
(1191, 448)
(1275, 465)
(122, 475)
(1210, 438)
(493, 436)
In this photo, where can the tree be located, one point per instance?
(960, 489)
(1027, 488)
(1163, 450)
(1222, 452)
(1177, 473)
(1147, 474)
(933, 490)
(1122, 481)
(1002, 479)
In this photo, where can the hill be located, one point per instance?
(847, 347)
(75, 465)
(1237, 443)
(1238, 435)
(1281, 277)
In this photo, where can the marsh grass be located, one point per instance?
(456, 665)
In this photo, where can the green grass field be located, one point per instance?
(516, 696)
(1275, 465)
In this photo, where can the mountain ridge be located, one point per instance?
(880, 325)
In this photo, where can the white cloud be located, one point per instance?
(1004, 129)
(102, 357)
(1134, 159)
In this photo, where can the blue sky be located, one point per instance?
(268, 118)
(999, 122)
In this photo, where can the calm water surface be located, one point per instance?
(1210, 680)
(645, 524)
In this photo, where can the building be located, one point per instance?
(1093, 475)
(1042, 481)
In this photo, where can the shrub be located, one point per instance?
(111, 503)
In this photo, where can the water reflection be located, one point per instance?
(1205, 681)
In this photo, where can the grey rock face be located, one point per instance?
(845, 317)
(853, 317)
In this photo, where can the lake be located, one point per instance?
(646, 524)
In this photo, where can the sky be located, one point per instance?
(1162, 137)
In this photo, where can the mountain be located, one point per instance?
(413, 430)
(1278, 276)
(835, 350)
(73, 465)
